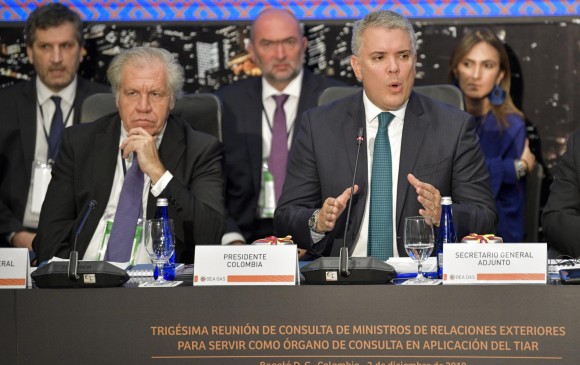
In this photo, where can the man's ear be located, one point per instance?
(30, 55)
(250, 49)
(356, 67)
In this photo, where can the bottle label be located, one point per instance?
(107, 233)
(267, 204)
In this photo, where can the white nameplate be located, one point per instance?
(503, 263)
(245, 265)
(14, 268)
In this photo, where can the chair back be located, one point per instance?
(202, 111)
(96, 106)
(444, 93)
(533, 201)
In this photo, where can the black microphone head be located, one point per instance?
(92, 204)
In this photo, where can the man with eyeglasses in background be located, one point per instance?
(259, 121)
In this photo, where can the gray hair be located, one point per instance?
(382, 19)
(147, 55)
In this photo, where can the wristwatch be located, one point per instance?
(313, 221)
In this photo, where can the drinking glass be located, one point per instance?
(159, 242)
(419, 243)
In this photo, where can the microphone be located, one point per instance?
(344, 269)
(79, 274)
(73, 263)
(343, 262)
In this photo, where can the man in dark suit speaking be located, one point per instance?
(260, 118)
(125, 161)
(31, 126)
(415, 151)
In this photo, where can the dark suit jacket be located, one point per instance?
(561, 216)
(439, 146)
(242, 133)
(17, 144)
(85, 170)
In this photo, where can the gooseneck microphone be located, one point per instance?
(344, 269)
(73, 263)
(79, 274)
(343, 263)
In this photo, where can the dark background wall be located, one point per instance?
(546, 54)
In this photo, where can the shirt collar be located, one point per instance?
(372, 111)
(67, 94)
(292, 89)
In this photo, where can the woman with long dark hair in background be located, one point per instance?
(480, 67)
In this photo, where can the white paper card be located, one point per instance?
(14, 268)
(504, 263)
(42, 175)
(245, 265)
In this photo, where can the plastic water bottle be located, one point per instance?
(267, 194)
(446, 231)
(161, 213)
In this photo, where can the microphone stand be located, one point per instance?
(343, 256)
(73, 263)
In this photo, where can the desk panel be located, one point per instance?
(303, 325)
(8, 326)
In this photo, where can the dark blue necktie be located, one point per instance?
(279, 149)
(380, 244)
(56, 128)
(126, 216)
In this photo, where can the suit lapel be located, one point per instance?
(105, 153)
(171, 152)
(308, 91)
(27, 119)
(253, 131)
(415, 126)
(355, 120)
(80, 95)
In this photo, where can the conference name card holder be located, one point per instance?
(14, 268)
(245, 265)
(497, 263)
(42, 174)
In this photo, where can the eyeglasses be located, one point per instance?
(287, 43)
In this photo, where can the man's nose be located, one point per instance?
(392, 65)
(144, 104)
(56, 55)
(280, 50)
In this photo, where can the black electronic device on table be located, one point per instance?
(570, 276)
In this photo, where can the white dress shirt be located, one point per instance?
(96, 251)
(395, 131)
(395, 136)
(269, 108)
(45, 109)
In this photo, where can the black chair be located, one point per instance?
(533, 201)
(202, 111)
(444, 93)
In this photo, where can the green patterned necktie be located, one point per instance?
(380, 244)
